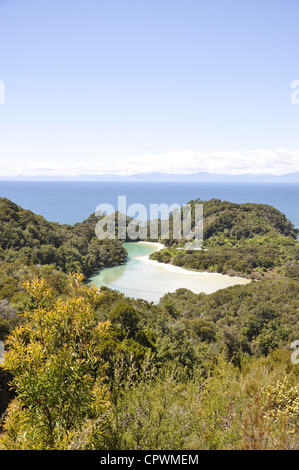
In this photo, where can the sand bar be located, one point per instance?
(178, 269)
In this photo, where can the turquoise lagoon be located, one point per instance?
(141, 278)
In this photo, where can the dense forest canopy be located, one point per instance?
(31, 239)
(252, 240)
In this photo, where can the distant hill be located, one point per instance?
(163, 177)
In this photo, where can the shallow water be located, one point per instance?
(141, 279)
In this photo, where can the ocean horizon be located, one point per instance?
(69, 202)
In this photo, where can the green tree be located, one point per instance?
(125, 318)
(155, 411)
(55, 359)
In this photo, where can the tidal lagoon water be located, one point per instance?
(141, 278)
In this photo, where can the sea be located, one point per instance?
(68, 202)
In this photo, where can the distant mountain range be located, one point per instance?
(164, 177)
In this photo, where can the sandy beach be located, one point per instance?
(159, 246)
(178, 269)
(143, 278)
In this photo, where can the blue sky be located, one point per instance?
(126, 86)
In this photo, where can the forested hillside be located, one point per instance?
(30, 239)
(252, 240)
(94, 369)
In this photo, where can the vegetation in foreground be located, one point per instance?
(96, 370)
(89, 372)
